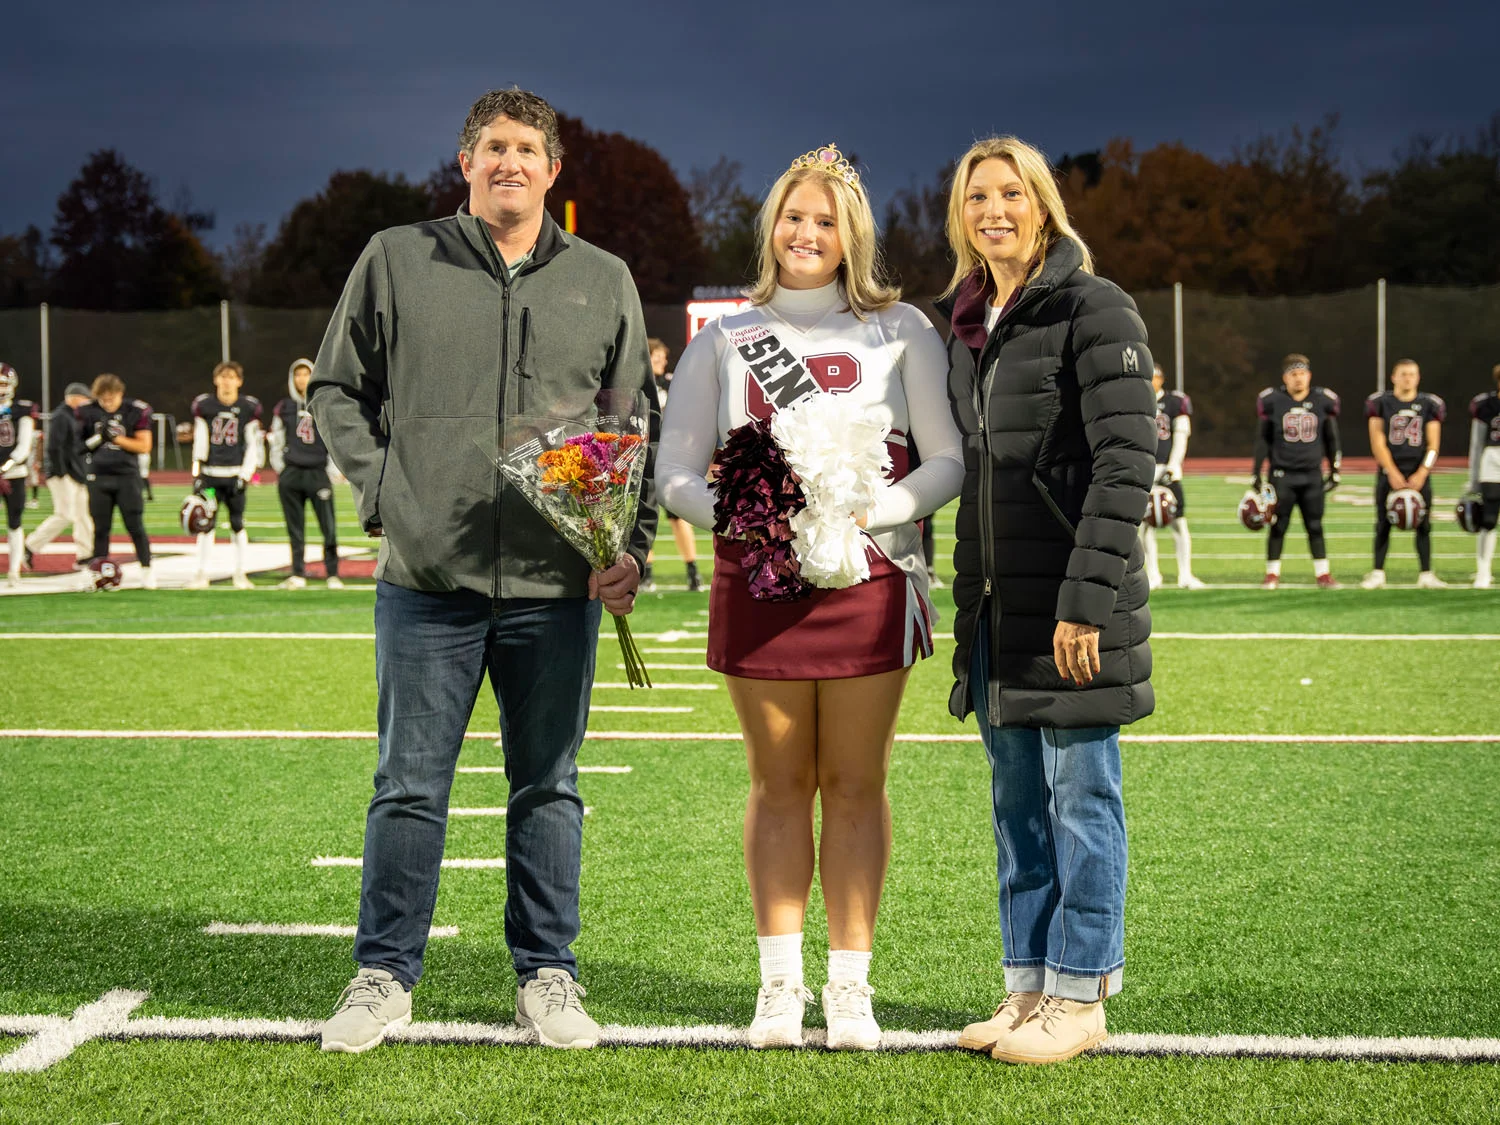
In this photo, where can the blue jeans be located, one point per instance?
(1060, 837)
(431, 653)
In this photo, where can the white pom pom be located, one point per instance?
(837, 448)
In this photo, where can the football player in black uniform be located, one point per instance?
(1298, 428)
(18, 428)
(1174, 411)
(301, 462)
(1404, 427)
(1484, 475)
(116, 431)
(226, 453)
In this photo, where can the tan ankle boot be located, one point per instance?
(1056, 1030)
(1008, 1016)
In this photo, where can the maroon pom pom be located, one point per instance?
(755, 495)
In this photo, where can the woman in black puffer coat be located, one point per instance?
(1050, 381)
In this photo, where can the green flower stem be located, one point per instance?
(635, 666)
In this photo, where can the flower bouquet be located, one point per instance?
(585, 480)
(791, 487)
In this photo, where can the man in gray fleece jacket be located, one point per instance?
(445, 331)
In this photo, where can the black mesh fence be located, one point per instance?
(1233, 347)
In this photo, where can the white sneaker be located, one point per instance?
(1429, 581)
(1153, 581)
(242, 581)
(334, 582)
(1373, 581)
(148, 577)
(849, 1016)
(778, 1014)
(14, 581)
(199, 581)
(293, 582)
(374, 1004)
(550, 1005)
(1190, 582)
(1481, 582)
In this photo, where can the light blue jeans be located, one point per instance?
(1060, 837)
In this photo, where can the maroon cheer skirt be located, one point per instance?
(874, 626)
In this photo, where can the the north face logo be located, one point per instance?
(1132, 360)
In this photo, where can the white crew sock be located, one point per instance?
(1184, 549)
(1273, 566)
(205, 548)
(17, 545)
(849, 964)
(241, 541)
(1153, 558)
(780, 956)
(1320, 567)
(1484, 552)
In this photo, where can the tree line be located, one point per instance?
(1280, 216)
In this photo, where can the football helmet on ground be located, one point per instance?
(106, 574)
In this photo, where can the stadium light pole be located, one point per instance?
(1380, 336)
(1177, 328)
(224, 331)
(46, 362)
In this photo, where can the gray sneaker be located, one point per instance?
(374, 1004)
(549, 1006)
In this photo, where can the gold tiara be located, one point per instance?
(828, 159)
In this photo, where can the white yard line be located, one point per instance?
(188, 636)
(359, 861)
(698, 667)
(659, 687)
(108, 1018)
(670, 635)
(581, 769)
(1325, 636)
(651, 666)
(299, 929)
(107, 1015)
(734, 736)
(602, 708)
(500, 811)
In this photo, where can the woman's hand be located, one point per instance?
(1075, 650)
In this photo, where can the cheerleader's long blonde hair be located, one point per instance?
(861, 275)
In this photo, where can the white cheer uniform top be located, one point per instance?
(894, 361)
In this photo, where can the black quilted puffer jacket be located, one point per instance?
(1058, 417)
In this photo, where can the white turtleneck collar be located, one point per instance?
(804, 308)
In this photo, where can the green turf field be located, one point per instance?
(1279, 887)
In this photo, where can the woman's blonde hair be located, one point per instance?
(1041, 189)
(861, 275)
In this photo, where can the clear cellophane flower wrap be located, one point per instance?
(585, 480)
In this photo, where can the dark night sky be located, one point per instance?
(251, 106)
